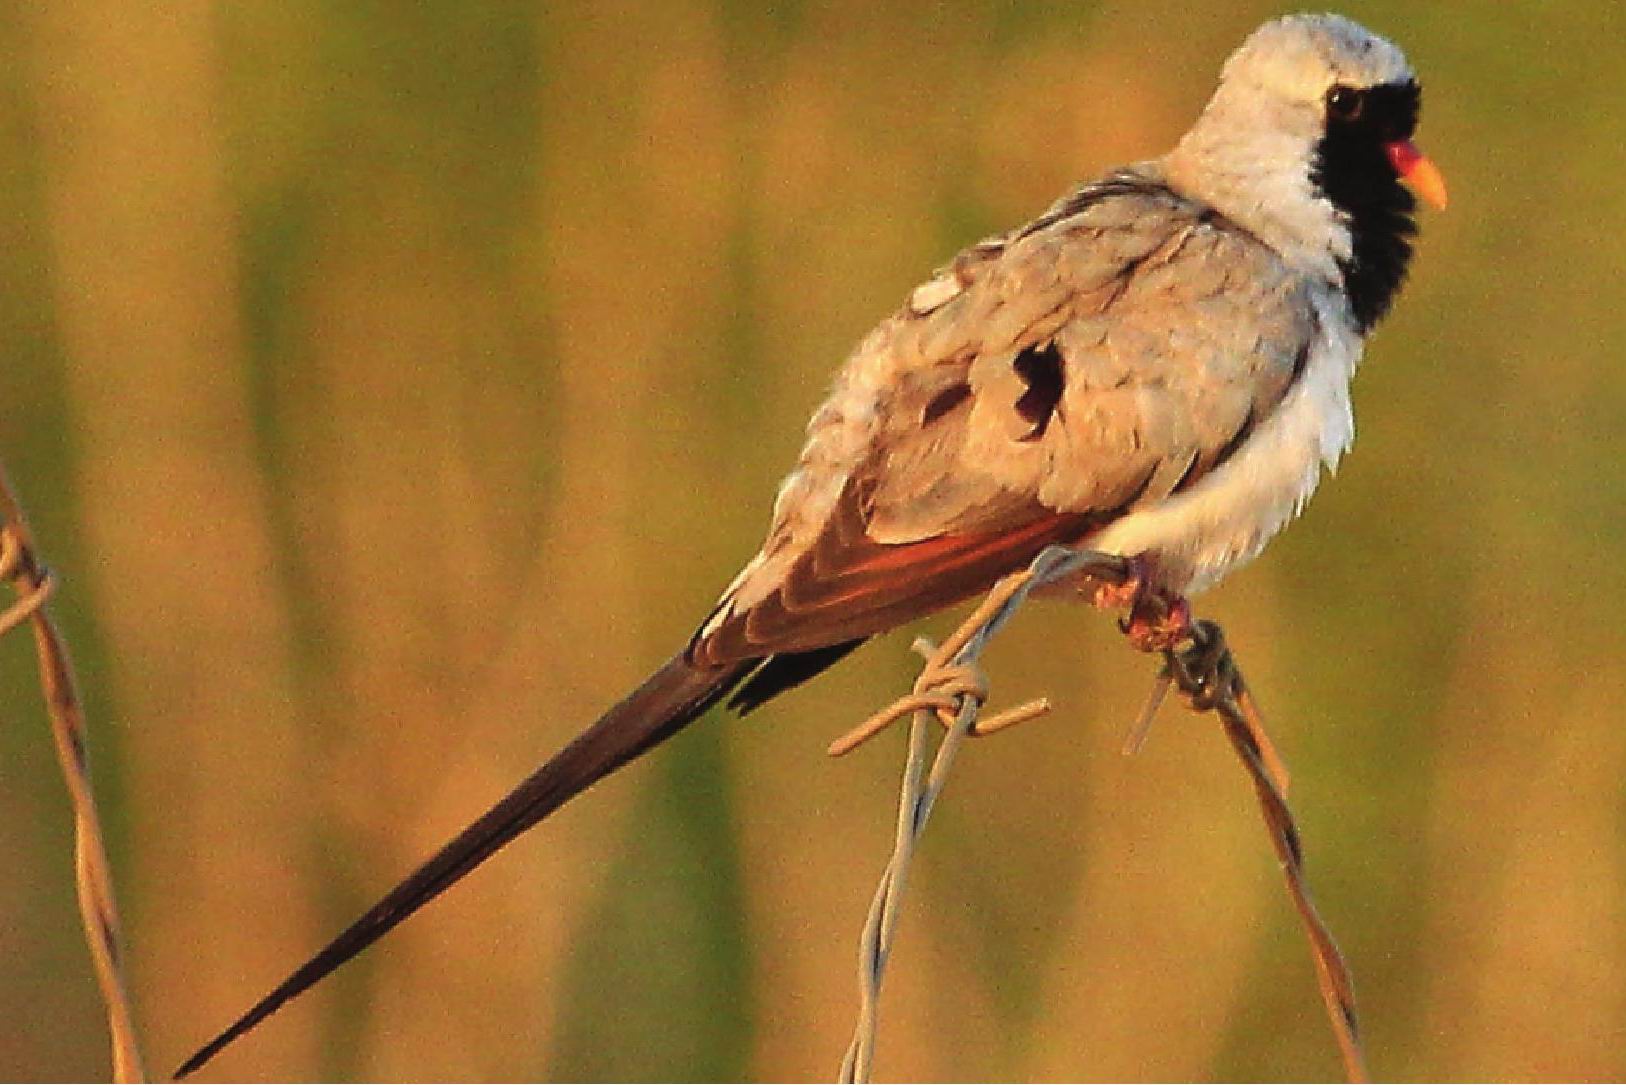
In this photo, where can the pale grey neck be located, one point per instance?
(1256, 171)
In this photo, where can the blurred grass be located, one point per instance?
(392, 385)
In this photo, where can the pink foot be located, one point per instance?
(1157, 619)
(1157, 622)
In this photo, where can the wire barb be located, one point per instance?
(952, 690)
(98, 911)
(1141, 729)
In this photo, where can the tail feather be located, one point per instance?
(672, 697)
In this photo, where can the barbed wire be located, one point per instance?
(951, 692)
(98, 911)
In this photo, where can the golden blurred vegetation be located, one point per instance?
(392, 384)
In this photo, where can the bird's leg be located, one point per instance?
(1158, 618)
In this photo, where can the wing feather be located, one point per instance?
(927, 476)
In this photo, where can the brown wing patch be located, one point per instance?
(848, 586)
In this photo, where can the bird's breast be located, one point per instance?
(1197, 536)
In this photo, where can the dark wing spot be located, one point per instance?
(1042, 369)
(944, 402)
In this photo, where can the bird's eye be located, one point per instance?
(1344, 103)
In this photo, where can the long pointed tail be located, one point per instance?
(672, 697)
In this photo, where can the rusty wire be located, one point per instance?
(98, 912)
(952, 690)
(1206, 674)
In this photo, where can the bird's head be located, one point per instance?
(1307, 142)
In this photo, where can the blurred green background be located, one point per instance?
(393, 384)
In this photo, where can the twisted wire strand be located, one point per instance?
(1207, 675)
(951, 691)
(950, 688)
(93, 879)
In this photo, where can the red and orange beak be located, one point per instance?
(1417, 171)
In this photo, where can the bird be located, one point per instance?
(1157, 367)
